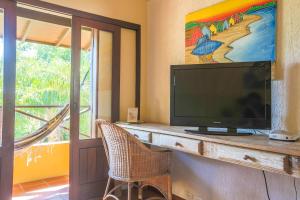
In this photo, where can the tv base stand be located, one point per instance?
(229, 132)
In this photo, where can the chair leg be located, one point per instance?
(129, 191)
(107, 186)
(140, 191)
(169, 187)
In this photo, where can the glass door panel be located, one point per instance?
(105, 75)
(95, 79)
(86, 86)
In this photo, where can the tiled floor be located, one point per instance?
(51, 189)
(56, 189)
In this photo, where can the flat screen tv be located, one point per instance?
(232, 95)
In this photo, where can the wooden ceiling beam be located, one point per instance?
(45, 17)
(26, 30)
(70, 11)
(90, 42)
(63, 36)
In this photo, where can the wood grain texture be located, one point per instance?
(252, 142)
(144, 136)
(272, 162)
(259, 159)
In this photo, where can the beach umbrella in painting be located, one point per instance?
(205, 46)
(206, 32)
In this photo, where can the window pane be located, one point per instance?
(86, 73)
(96, 79)
(42, 77)
(105, 75)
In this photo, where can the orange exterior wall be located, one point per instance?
(41, 161)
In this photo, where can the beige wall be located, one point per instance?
(127, 10)
(208, 179)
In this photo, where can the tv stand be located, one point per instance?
(229, 132)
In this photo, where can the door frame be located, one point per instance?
(8, 119)
(75, 144)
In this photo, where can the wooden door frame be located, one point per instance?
(8, 119)
(77, 22)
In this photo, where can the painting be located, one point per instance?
(232, 31)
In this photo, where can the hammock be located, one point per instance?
(43, 131)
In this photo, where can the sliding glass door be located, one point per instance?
(7, 95)
(94, 94)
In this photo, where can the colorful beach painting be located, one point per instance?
(232, 31)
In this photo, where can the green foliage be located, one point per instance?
(43, 74)
(43, 78)
(256, 8)
(191, 25)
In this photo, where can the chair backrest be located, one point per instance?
(119, 145)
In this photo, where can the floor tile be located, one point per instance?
(47, 189)
(17, 189)
(34, 185)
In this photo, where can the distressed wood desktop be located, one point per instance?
(251, 151)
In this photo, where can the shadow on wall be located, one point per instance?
(292, 120)
(207, 179)
(186, 182)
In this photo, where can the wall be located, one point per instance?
(49, 160)
(208, 179)
(132, 11)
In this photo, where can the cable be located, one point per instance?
(266, 184)
(295, 189)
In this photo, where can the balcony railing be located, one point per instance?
(20, 109)
(86, 109)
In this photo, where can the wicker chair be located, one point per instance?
(130, 162)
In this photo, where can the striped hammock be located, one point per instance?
(43, 131)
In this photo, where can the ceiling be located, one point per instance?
(46, 28)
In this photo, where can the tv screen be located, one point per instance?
(233, 95)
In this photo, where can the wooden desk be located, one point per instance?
(251, 151)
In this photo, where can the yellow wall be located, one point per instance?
(127, 89)
(41, 161)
